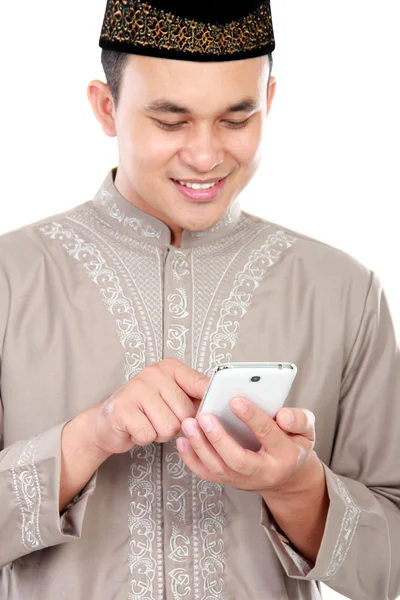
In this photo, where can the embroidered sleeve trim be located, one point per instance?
(27, 490)
(346, 534)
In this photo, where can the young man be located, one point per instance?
(114, 314)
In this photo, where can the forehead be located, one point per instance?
(199, 86)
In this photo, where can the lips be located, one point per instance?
(200, 191)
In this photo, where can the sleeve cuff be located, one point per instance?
(341, 525)
(71, 520)
(36, 473)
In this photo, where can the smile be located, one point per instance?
(198, 186)
(200, 191)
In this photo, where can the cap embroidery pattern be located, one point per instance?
(134, 23)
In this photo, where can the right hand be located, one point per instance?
(149, 408)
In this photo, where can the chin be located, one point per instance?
(199, 222)
(199, 226)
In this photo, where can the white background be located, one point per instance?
(332, 150)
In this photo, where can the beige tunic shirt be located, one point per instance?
(87, 300)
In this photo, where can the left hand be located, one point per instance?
(215, 456)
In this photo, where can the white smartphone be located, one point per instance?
(267, 385)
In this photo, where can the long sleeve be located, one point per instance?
(359, 555)
(30, 481)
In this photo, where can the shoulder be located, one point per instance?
(319, 269)
(23, 249)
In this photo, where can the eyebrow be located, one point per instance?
(248, 104)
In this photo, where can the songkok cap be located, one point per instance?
(197, 30)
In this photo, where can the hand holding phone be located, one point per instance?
(266, 385)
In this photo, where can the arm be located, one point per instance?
(30, 473)
(80, 459)
(359, 553)
(302, 511)
(29, 490)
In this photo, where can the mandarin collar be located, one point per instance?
(133, 222)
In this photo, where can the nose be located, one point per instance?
(202, 152)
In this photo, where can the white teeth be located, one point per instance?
(198, 186)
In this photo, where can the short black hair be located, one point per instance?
(114, 64)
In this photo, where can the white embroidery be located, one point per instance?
(143, 528)
(346, 533)
(179, 545)
(230, 216)
(27, 490)
(180, 266)
(208, 516)
(177, 340)
(176, 501)
(139, 225)
(175, 465)
(178, 304)
(111, 292)
(236, 306)
(180, 583)
(196, 538)
(211, 526)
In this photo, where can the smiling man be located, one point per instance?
(113, 316)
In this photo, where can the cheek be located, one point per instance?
(245, 149)
(140, 142)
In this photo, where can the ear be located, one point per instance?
(271, 92)
(100, 98)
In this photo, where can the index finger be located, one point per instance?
(265, 429)
(192, 382)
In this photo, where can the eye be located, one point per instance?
(169, 126)
(237, 124)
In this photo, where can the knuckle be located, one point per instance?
(138, 388)
(202, 379)
(217, 438)
(171, 430)
(170, 363)
(226, 478)
(265, 429)
(144, 435)
(149, 373)
(240, 466)
(219, 472)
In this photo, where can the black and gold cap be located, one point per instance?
(196, 30)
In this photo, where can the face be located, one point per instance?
(188, 134)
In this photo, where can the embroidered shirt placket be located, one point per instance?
(177, 478)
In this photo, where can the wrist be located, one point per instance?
(80, 433)
(311, 476)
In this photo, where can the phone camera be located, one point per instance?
(255, 379)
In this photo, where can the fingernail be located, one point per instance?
(310, 417)
(206, 423)
(239, 405)
(189, 427)
(287, 417)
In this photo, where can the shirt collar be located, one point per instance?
(133, 222)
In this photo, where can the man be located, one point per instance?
(113, 316)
